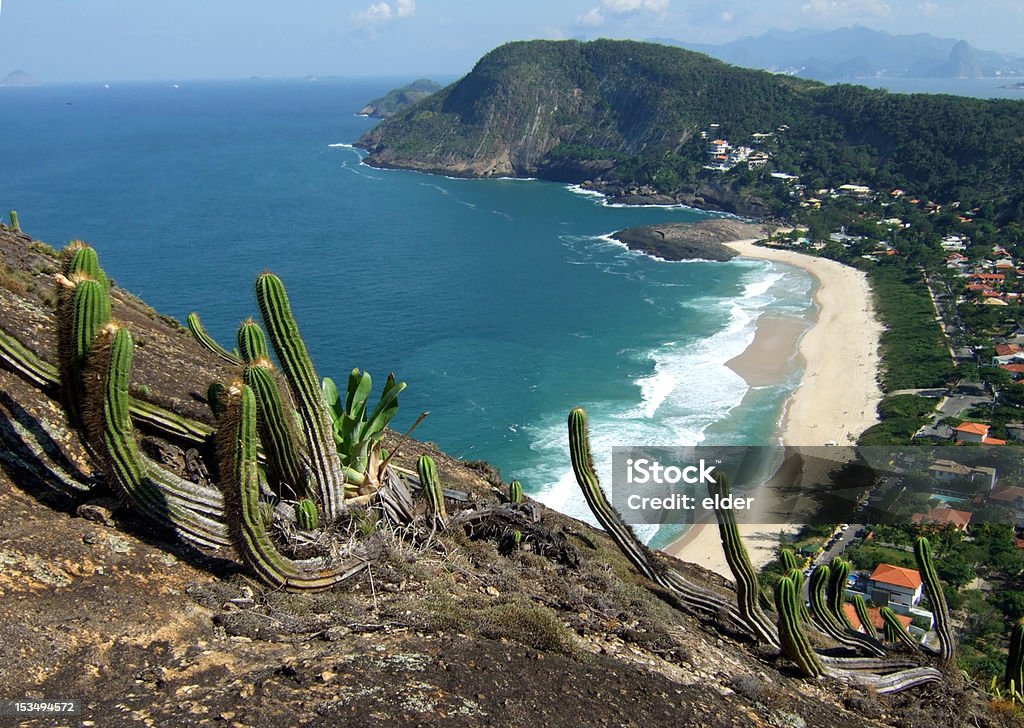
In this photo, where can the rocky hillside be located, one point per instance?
(462, 628)
(400, 99)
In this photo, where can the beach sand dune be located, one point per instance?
(837, 396)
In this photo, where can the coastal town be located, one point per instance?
(947, 279)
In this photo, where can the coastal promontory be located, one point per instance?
(702, 240)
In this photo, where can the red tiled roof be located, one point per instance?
(1007, 349)
(875, 613)
(944, 516)
(1013, 368)
(896, 576)
(974, 428)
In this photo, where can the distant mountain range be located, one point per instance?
(859, 52)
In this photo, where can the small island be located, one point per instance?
(18, 78)
(704, 240)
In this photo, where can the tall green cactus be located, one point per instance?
(325, 465)
(933, 590)
(747, 586)
(515, 492)
(83, 259)
(797, 577)
(427, 471)
(864, 616)
(245, 515)
(895, 631)
(252, 343)
(15, 224)
(83, 308)
(1014, 674)
(788, 560)
(826, 620)
(195, 325)
(195, 512)
(835, 592)
(690, 595)
(792, 637)
(286, 471)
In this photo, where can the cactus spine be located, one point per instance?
(427, 471)
(277, 432)
(747, 586)
(794, 641)
(689, 594)
(306, 516)
(298, 369)
(208, 342)
(864, 616)
(515, 492)
(894, 629)
(933, 589)
(1013, 678)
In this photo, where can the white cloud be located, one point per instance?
(630, 6)
(843, 8)
(928, 8)
(384, 12)
(592, 17)
(726, 16)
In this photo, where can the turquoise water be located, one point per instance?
(499, 301)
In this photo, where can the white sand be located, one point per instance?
(836, 399)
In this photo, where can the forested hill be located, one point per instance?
(628, 117)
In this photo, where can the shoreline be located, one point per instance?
(835, 401)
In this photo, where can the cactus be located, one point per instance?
(747, 586)
(894, 629)
(836, 590)
(1013, 678)
(933, 589)
(208, 342)
(357, 433)
(689, 595)
(83, 308)
(15, 224)
(794, 641)
(246, 513)
(797, 577)
(325, 464)
(864, 616)
(83, 259)
(788, 560)
(252, 342)
(195, 512)
(306, 516)
(215, 395)
(427, 471)
(515, 492)
(828, 623)
(277, 432)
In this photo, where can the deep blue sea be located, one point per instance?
(500, 302)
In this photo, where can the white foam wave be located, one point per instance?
(341, 145)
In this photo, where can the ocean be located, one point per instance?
(502, 303)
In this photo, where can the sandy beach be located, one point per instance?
(838, 393)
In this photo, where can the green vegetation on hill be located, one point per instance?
(628, 116)
(400, 99)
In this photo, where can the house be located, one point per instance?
(895, 587)
(1016, 370)
(875, 615)
(860, 192)
(1007, 354)
(944, 517)
(972, 432)
(1010, 495)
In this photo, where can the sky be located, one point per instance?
(115, 40)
